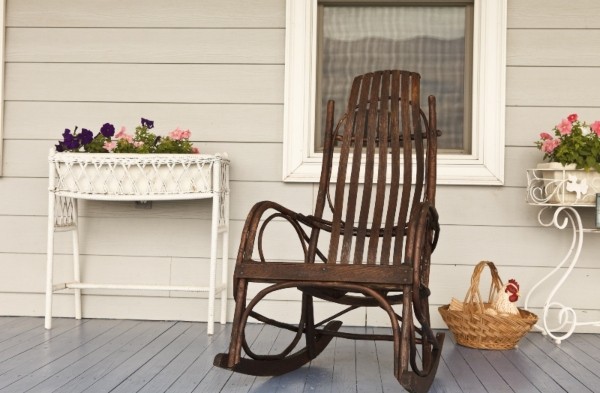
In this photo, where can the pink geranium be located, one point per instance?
(564, 127)
(572, 141)
(179, 134)
(110, 145)
(122, 134)
(549, 145)
(596, 127)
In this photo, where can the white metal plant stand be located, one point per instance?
(136, 177)
(558, 195)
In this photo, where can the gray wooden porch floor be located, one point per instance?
(135, 356)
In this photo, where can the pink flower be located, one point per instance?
(545, 136)
(123, 135)
(573, 117)
(176, 134)
(179, 134)
(195, 150)
(549, 145)
(596, 127)
(109, 145)
(138, 143)
(564, 127)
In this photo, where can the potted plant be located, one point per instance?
(572, 149)
(141, 165)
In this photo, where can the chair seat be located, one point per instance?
(381, 276)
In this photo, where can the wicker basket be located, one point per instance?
(474, 327)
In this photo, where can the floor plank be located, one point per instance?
(116, 358)
(79, 356)
(570, 372)
(176, 357)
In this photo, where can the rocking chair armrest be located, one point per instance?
(423, 234)
(251, 225)
(425, 215)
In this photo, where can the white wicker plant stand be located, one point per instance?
(136, 177)
(558, 193)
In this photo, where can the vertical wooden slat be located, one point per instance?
(371, 136)
(341, 178)
(355, 171)
(395, 180)
(405, 104)
(418, 137)
(382, 167)
(431, 151)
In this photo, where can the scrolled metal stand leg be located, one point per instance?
(566, 315)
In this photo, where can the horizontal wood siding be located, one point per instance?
(217, 67)
(214, 67)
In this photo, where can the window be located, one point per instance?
(474, 106)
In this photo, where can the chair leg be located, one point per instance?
(238, 326)
(413, 382)
(415, 379)
(263, 365)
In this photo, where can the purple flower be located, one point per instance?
(147, 123)
(67, 134)
(107, 130)
(70, 141)
(86, 136)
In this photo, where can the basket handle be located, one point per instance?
(473, 297)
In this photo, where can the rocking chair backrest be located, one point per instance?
(384, 141)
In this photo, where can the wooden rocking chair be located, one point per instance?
(381, 234)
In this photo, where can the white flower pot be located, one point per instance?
(564, 184)
(139, 176)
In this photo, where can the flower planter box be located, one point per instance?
(132, 176)
(554, 183)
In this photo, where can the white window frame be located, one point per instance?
(485, 164)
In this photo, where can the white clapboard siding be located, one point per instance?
(579, 42)
(29, 197)
(168, 83)
(554, 14)
(193, 46)
(552, 86)
(217, 68)
(207, 122)
(524, 123)
(147, 13)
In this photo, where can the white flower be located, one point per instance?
(585, 130)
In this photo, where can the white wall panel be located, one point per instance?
(96, 45)
(579, 42)
(146, 13)
(552, 86)
(524, 123)
(207, 122)
(553, 14)
(216, 67)
(167, 83)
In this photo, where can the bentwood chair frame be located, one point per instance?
(382, 229)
